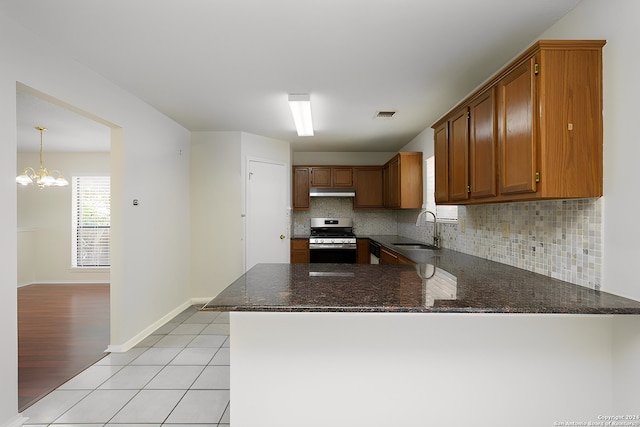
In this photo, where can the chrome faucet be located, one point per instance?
(436, 237)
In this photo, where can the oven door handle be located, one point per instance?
(345, 246)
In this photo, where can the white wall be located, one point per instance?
(150, 272)
(8, 257)
(216, 205)
(615, 22)
(218, 197)
(437, 369)
(47, 215)
(347, 158)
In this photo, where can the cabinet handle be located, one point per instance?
(282, 237)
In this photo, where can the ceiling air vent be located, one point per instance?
(382, 115)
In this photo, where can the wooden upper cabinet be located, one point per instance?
(459, 155)
(569, 99)
(391, 172)
(483, 146)
(301, 199)
(320, 176)
(396, 185)
(368, 186)
(342, 177)
(403, 181)
(535, 128)
(326, 176)
(518, 163)
(441, 153)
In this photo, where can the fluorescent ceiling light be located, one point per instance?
(301, 109)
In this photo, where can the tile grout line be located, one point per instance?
(183, 319)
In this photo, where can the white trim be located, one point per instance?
(201, 300)
(121, 348)
(65, 282)
(16, 421)
(90, 270)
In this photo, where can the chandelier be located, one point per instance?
(42, 177)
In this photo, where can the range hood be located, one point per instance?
(332, 192)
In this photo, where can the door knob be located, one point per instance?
(281, 236)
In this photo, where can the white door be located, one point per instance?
(267, 219)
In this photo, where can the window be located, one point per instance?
(443, 212)
(91, 221)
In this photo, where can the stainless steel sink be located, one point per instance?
(414, 246)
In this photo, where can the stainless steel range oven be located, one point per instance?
(332, 241)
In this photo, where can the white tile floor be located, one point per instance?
(176, 377)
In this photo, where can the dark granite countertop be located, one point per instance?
(441, 281)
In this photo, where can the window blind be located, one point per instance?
(91, 221)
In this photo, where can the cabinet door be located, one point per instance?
(516, 130)
(362, 247)
(410, 177)
(368, 186)
(459, 155)
(387, 257)
(441, 153)
(482, 146)
(320, 177)
(342, 177)
(392, 183)
(301, 188)
(300, 251)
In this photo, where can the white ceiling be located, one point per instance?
(228, 65)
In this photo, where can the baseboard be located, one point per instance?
(121, 348)
(16, 421)
(66, 282)
(200, 301)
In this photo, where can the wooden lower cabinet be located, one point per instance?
(387, 256)
(300, 251)
(362, 254)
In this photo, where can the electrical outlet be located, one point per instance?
(505, 229)
(463, 225)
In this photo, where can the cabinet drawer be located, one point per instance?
(299, 243)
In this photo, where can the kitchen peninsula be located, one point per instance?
(453, 340)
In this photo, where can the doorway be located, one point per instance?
(63, 312)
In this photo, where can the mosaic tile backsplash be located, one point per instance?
(365, 222)
(557, 238)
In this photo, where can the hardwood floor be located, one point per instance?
(62, 329)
